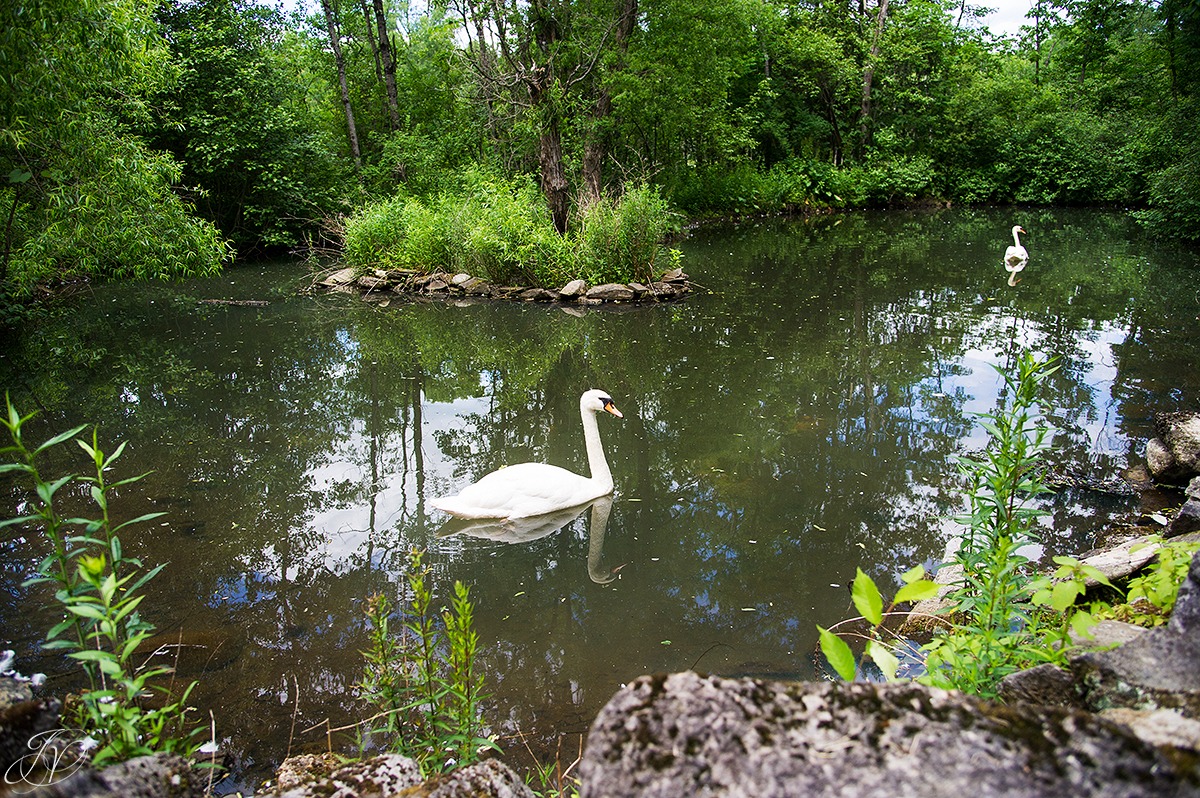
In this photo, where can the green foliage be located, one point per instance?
(501, 231)
(100, 590)
(425, 683)
(869, 602)
(998, 634)
(236, 119)
(1151, 595)
(84, 196)
(619, 241)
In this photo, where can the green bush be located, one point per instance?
(425, 681)
(500, 230)
(622, 240)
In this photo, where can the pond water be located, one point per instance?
(798, 417)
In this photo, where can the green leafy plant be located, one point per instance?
(425, 682)
(100, 591)
(998, 634)
(869, 602)
(1150, 596)
(500, 230)
(1007, 618)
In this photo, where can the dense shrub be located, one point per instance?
(500, 230)
(622, 240)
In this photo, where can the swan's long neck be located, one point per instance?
(595, 450)
(1016, 240)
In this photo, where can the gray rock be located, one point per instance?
(1187, 520)
(1161, 728)
(156, 776)
(339, 278)
(537, 295)
(1185, 618)
(461, 278)
(378, 777)
(490, 779)
(476, 287)
(611, 292)
(13, 692)
(931, 614)
(1123, 559)
(573, 289)
(22, 719)
(696, 737)
(1107, 635)
(1174, 454)
(665, 291)
(1159, 669)
(372, 283)
(1045, 685)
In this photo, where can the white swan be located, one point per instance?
(528, 489)
(1015, 257)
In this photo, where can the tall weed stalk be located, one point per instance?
(425, 681)
(999, 633)
(99, 588)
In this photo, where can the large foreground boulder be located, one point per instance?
(683, 734)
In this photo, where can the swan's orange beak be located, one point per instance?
(611, 408)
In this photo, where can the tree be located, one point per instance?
(239, 123)
(83, 196)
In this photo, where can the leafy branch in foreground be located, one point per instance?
(100, 591)
(425, 681)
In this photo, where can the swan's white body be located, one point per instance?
(528, 489)
(1015, 257)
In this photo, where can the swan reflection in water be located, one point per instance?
(536, 527)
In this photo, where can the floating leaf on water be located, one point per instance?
(819, 528)
(522, 593)
(749, 609)
(665, 643)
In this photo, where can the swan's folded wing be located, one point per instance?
(520, 491)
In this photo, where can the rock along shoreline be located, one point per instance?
(380, 285)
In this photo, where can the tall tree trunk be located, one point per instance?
(553, 176)
(340, 61)
(389, 65)
(864, 120)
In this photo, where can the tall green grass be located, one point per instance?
(500, 230)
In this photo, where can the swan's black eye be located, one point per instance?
(606, 401)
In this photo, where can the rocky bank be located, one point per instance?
(380, 286)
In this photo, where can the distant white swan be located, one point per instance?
(528, 489)
(1015, 257)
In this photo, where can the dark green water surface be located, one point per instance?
(793, 420)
